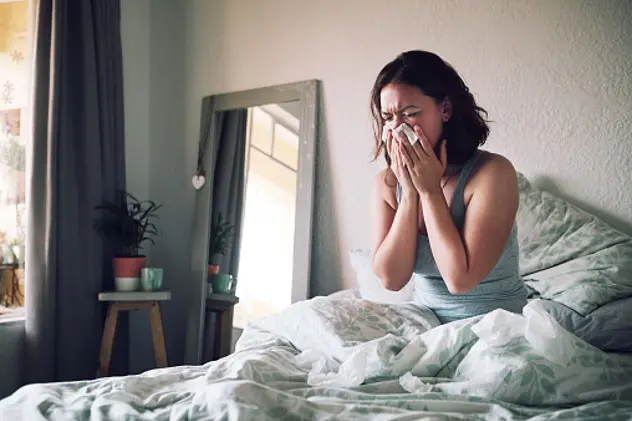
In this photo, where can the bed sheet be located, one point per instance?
(346, 358)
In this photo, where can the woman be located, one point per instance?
(444, 209)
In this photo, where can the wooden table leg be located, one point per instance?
(158, 336)
(224, 334)
(108, 339)
(217, 333)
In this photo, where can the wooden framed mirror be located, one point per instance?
(256, 156)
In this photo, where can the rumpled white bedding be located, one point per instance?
(347, 358)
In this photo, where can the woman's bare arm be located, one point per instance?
(395, 234)
(465, 259)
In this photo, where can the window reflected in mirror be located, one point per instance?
(266, 254)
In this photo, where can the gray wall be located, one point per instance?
(170, 181)
(554, 75)
(12, 355)
(135, 37)
(154, 70)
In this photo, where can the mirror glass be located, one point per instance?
(264, 275)
(251, 245)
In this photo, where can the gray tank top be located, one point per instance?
(502, 288)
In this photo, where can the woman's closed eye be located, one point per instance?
(409, 114)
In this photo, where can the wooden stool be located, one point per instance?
(222, 306)
(128, 301)
(11, 294)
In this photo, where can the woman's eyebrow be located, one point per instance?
(401, 109)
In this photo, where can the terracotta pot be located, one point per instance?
(127, 272)
(213, 270)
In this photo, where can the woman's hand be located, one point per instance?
(421, 163)
(397, 166)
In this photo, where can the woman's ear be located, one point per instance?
(446, 109)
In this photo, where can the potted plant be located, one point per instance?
(128, 223)
(220, 237)
(3, 249)
(17, 247)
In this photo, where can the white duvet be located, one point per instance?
(329, 358)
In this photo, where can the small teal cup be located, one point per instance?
(222, 283)
(151, 278)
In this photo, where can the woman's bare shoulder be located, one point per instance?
(385, 186)
(493, 170)
(494, 165)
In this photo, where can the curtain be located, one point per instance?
(77, 161)
(229, 157)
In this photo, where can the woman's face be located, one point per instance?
(408, 104)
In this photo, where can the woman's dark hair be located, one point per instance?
(467, 128)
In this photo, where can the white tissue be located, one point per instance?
(499, 327)
(308, 358)
(351, 372)
(545, 335)
(408, 131)
(402, 128)
(413, 384)
(388, 126)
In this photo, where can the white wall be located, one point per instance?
(556, 77)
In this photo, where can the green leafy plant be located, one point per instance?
(13, 154)
(220, 238)
(129, 223)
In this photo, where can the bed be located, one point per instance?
(355, 356)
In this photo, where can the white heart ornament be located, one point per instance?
(198, 181)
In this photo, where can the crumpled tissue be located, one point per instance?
(402, 128)
(413, 384)
(327, 372)
(545, 335)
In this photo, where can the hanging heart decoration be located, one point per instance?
(198, 181)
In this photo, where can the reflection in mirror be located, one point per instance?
(267, 238)
(251, 244)
(229, 155)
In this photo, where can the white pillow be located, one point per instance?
(568, 255)
(371, 288)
